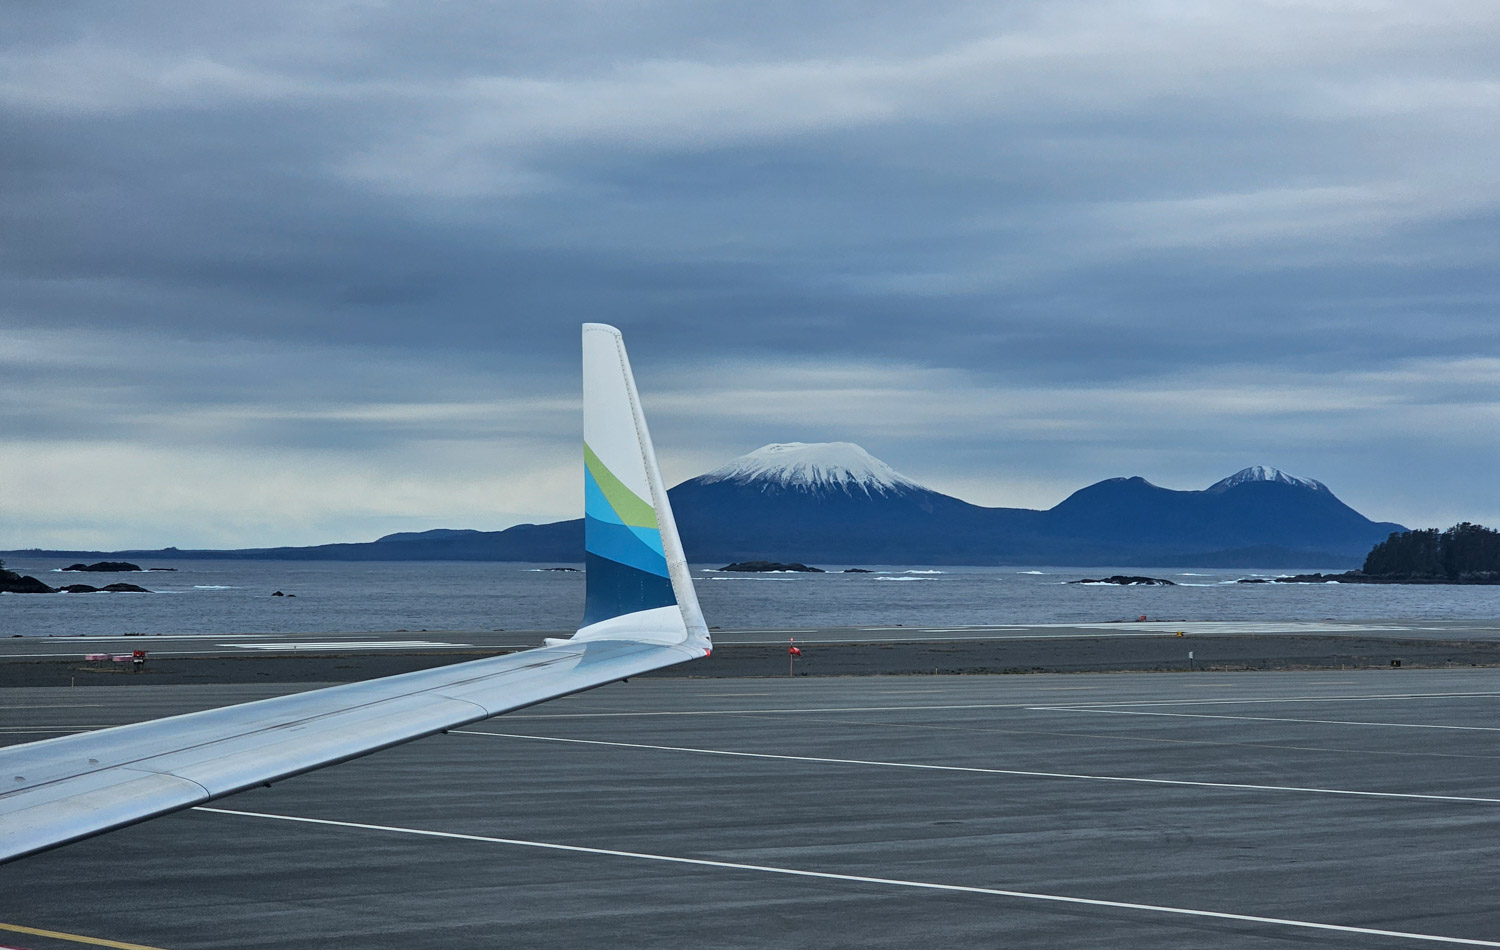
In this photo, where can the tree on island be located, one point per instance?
(1463, 552)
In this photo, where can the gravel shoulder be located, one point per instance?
(1074, 655)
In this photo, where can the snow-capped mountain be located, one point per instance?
(827, 500)
(1265, 473)
(813, 466)
(833, 503)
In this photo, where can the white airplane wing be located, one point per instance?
(641, 614)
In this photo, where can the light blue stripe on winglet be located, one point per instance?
(595, 504)
(651, 538)
(639, 548)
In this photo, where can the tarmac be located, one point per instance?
(1243, 810)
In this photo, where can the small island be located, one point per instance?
(766, 567)
(105, 567)
(13, 583)
(1127, 581)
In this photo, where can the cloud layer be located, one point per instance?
(311, 272)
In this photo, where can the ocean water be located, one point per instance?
(332, 597)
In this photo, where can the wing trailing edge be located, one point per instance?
(61, 790)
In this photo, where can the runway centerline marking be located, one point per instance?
(75, 657)
(58, 706)
(74, 938)
(728, 639)
(979, 770)
(343, 644)
(1015, 705)
(755, 712)
(1325, 722)
(862, 879)
(1241, 700)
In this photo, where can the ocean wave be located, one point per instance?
(1031, 572)
(924, 572)
(904, 578)
(215, 587)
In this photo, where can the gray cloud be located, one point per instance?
(1033, 246)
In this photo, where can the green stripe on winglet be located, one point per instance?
(626, 503)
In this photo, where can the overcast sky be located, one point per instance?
(305, 272)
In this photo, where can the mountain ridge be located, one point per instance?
(837, 503)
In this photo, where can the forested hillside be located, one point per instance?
(1465, 552)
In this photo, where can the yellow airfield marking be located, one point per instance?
(75, 938)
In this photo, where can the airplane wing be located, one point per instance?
(641, 614)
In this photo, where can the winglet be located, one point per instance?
(639, 587)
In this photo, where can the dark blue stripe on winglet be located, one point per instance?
(615, 589)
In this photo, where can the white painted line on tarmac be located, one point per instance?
(987, 771)
(862, 879)
(943, 637)
(1031, 704)
(66, 656)
(57, 706)
(1324, 722)
(79, 657)
(149, 637)
(753, 712)
(343, 645)
(916, 628)
(1242, 700)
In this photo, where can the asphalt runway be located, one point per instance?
(1325, 809)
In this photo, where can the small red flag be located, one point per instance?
(794, 651)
